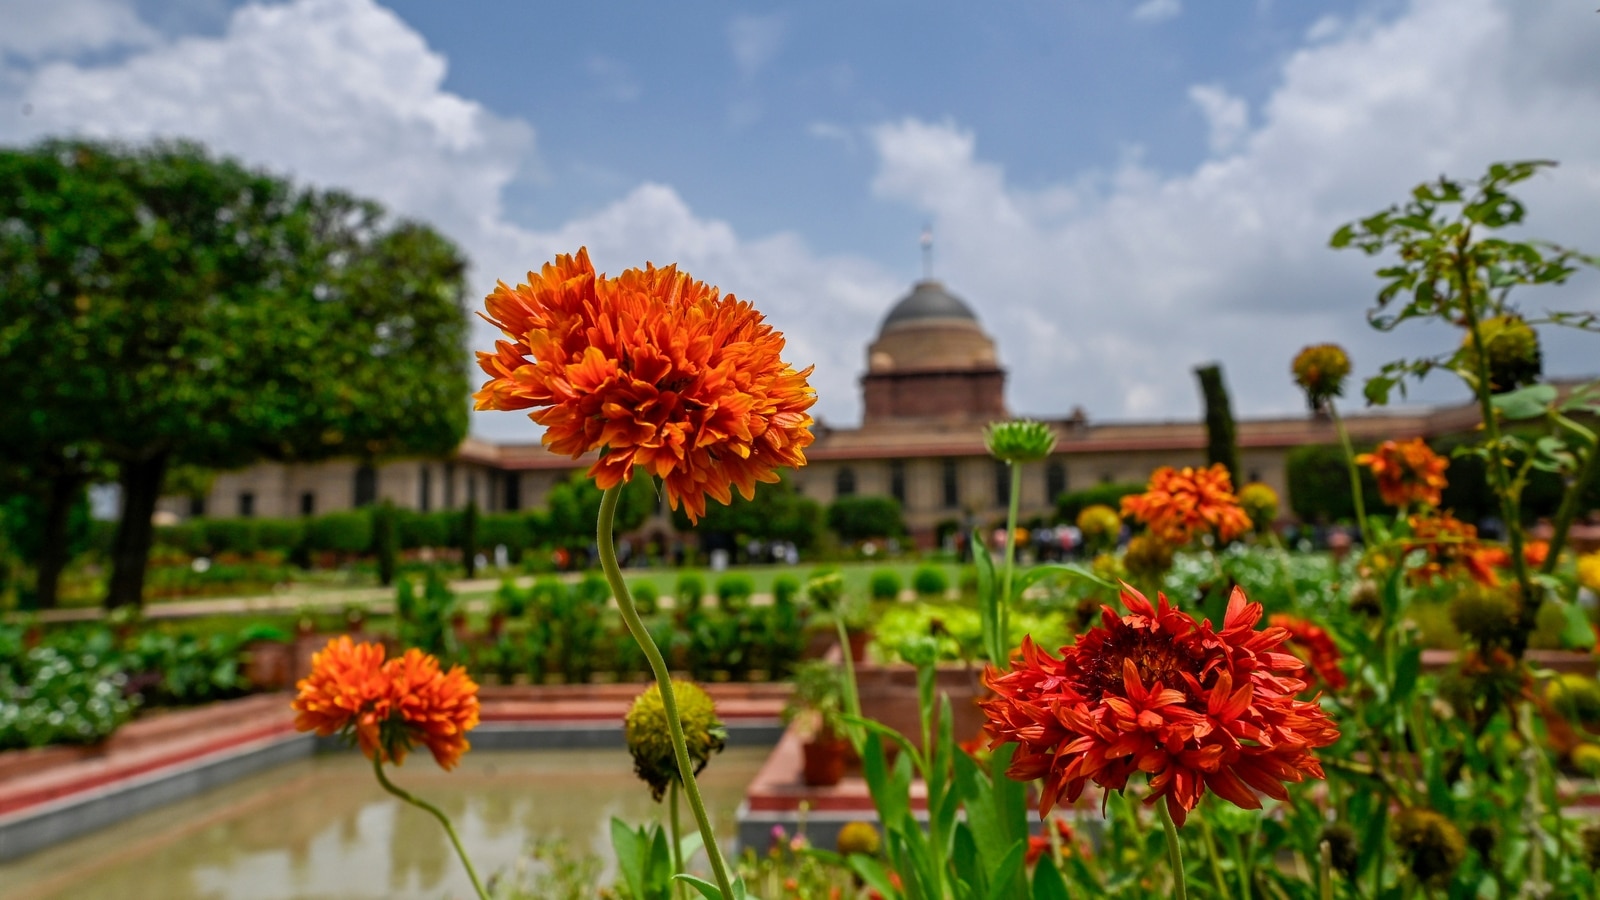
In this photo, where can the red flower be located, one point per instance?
(1407, 472)
(1183, 504)
(1154, 691)
(1039, 844)
(656, 370)
(1314, 642)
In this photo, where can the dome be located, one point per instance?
(928, 300)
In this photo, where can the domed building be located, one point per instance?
(932, 360)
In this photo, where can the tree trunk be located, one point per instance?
(130, 550)
(52, 557)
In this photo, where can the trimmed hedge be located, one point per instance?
(1068, 505)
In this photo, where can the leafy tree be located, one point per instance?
(1222, 438)
(1319, 484)
(862, 518)
(164, 307)
(777, 512)
(573, 508)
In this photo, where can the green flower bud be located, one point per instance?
(1431, 845)
(859, 837)
(1513, 350)
(1320, 370)
(650, 738)
(1019, 440)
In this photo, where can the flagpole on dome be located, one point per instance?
(927, 251)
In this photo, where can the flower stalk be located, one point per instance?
(1355, 473)
(1174, 851)
(658, 667)
(425, 806)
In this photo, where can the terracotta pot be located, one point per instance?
(858, 645)
(889, 695)
(823, 761)
(269, 665)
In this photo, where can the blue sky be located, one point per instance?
(1121, 190)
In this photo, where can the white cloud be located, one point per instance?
(1227, 116)
(756, 40)
(1153, 11)
(1146, 274)
(41, 29)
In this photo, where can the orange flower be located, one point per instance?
(1452, 546)
(430, 706)
(388, 706)
(1407, 472)
(653, 369)
(1039, 844)
(1314, 642)
(1154, 691)
(1484, 562)
(1182, 504)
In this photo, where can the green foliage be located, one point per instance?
(646, 597)
(785, 589)
(232, 536)
(346, 533)
(1222, 439)
(930, 582)
(861, 518)
(1070, 504)
(469, 538)
(185, 668)
(71, 694)
(777, 512)
(1319, 484)
(689, 593)
(574, 508)
(416, 530)
(577, 624)
(424, 621)
(784, 623)
(510, 530)
(734, 590)
(819, 693)
(884, 586)
(386, 540)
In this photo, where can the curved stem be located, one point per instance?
(677, 837)
(1355, 473)
(1174, 850)
(1004, 618)
(425, 806)
(1569, 508)
(658, 665)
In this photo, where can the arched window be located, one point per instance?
(1055, 480)
(366, 487)
(844, 483)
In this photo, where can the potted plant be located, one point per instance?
(816, 709)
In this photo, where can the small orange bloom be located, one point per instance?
(1193, 707)
(1407, 472)
(388, 706)
(1183, 504)
(653, 369)
(1313, 644)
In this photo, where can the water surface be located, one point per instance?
(322, 828)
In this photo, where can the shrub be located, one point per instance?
(863, 518)
(188, 537)
(884, 586)
(690, 592)
(284, 535)
(1319, 484)
(1070, 504)
(930, 582)
(469, 538)
(340, 532)
(734, 591)
(431, 529)
(386, 541)
(231, 536)
(785, 589)
(510, 530)
(646, 597)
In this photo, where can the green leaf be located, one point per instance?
(1530, 402)
(1008, 875)
(1579, 633)
(994, 643)
(1047, 881)
(873, 873)
(710, 891)
(1406, 669)
(630, 847)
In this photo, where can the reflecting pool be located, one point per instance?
(323, 828)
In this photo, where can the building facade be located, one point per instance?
(933, 380)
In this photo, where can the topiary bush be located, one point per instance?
(689, 594)
(930, 582)
(884, 586)
(734, 590)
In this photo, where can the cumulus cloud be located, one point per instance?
(1148, 273)
(1152, 11)
(37, 30)
(756, 39)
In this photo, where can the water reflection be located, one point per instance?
(324, 829)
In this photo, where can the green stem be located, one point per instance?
(669, 700)
(852, 697)
(425, 806)
(1569, 507)
(1497, 459)
(1325, 871)
(1355, 473)
(1003, 620)
(1174, 850)
(1214, 858)
(677, 838)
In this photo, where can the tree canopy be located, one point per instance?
(162, 306)
(778, 512)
